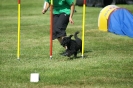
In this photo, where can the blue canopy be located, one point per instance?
(121, 22)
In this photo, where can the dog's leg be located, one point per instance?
(65, 53)
(80, 49)
(71, 52)
(75, 54)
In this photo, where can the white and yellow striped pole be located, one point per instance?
(18, 48)
(51, 28)
(83, 26)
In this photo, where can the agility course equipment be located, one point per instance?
(83, 26)
(18, 48)
(51, 28)
(104, 16)
(116, 20)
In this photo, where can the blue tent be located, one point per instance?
(121, 22)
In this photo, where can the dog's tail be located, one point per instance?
(70, 36)
(75, 35)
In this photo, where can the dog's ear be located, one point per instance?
(70, 36)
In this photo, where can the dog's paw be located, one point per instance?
(63, 53)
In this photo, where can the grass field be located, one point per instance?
(107, 63)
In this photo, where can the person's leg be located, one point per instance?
(55, 22)
(60, 25)
(56, 28)
(60, 40)
(59, 31)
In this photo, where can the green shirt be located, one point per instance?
(61, 6)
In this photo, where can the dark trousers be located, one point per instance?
(60, 22)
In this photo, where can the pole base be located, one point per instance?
(82, 56)
(18, 59)
(50, 57)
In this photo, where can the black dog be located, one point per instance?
(73, 46)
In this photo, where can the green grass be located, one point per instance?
(107, 63)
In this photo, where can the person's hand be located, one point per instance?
(44, 11)
(71, 20)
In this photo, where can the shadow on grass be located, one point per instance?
(80, 57)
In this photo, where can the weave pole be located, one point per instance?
(18, 48)
(51, 28)
(83, 27)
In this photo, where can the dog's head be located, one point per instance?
(66, 40)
